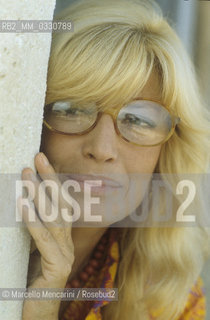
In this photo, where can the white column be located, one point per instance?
(186, 13)
(203, 49)
(23, 69)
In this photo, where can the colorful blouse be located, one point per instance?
(195, 308)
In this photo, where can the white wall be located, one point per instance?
(23, 69)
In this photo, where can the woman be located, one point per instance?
(122, 102)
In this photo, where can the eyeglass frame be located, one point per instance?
(114, 114)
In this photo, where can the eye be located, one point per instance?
(68, 108)
(75, 111)
(132, 119)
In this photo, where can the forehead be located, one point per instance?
(152, 89)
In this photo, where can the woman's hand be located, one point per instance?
(53, 240)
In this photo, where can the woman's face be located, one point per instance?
(103, 152)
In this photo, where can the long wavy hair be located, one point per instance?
(108, 58)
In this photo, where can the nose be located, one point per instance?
(100, 144)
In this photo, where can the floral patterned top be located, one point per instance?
(195, 308)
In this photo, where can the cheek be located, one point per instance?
(153, 156)
(60, 150)
(144, 160)
(143, 166)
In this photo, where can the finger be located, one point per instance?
(47, 172)
(45, 243)
(39, 196)
(44, 167)
(46, 209)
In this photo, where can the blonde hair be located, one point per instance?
(108, 58)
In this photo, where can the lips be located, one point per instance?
(105, 182)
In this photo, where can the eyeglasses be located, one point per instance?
(141, 122)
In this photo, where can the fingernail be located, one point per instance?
(32, 176)
(28, 175)
(44, 159)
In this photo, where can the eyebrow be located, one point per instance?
(143, 98)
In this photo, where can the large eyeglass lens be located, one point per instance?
(144, 122)
(69, 117)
